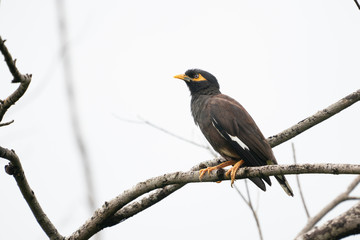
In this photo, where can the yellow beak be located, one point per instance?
(183, 77)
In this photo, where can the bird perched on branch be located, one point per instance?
(229, 128)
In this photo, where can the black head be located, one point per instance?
(200, 82)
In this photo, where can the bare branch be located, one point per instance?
(14, 168)
(18, 77)
(339, 199)
(314, 119)
(352, 198)
(24, 81)
(342, 226)
(137, 206)
(241, 195)
(96, 222)
(298, 183)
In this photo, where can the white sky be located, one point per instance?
(283, 60)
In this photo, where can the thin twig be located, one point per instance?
(6, 123)
(352, 198)
(24, 81)
(14, 168)
(298, 183)
(241, 195)
(339, 199)
(18, 77)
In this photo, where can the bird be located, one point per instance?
(229, 129)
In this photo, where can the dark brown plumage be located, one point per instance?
(229, 128)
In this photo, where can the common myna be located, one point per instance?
(229, 128)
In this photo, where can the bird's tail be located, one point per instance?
(259, 182)
(284, 184)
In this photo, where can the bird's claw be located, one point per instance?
(208, 170)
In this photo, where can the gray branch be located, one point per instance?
(339, 199)
(342, 226)
(14, 168)
(24, 81)
(98, 221)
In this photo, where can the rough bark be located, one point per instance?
(99, 219)
(14, 168)
(346, 224)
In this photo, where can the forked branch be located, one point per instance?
(99, 220)
(339, 199)
(24, 81)
(344, 225)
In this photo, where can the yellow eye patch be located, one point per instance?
(199, 78)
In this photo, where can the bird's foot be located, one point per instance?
(232, 171)
(210, 169)
(206, 170)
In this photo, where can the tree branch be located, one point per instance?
(96, 222)
(24, 81)
(315, 119)
(14, 168)
(135, 207)
(339, 199)
(342, 226)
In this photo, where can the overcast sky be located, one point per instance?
(283, 60)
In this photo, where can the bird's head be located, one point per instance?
(200, 82)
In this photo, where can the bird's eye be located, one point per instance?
(197, 77)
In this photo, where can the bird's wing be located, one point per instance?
(235, 124)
